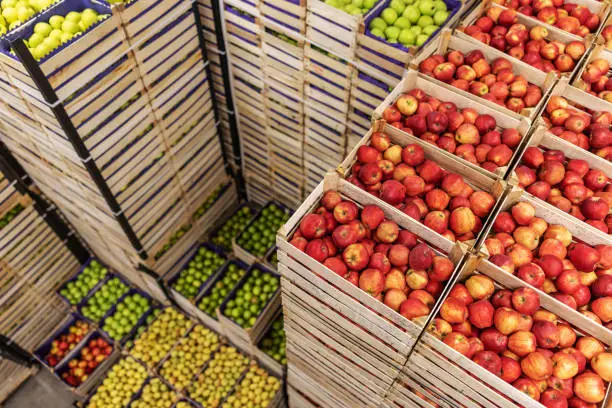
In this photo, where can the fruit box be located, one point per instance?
(554, 33)
(43, 350)
(287, 190)
(141, 320)
(322, 66)
(313, 294)
(330, 142)
(476, 179)
(599, 51)
(324, 95)
(243, 254)
(224, 203)
(93, 289)
(311, 392)
(577, 228)
(99, 372)
(289, 13)
(251, 335)
(545, 140)
(282, 50)
(407, 392)
(392, 59)
(270, 364)
(76, 62)
(243, 24)
(447, 42)
(451, 376)
(189, 305)
(413, 80)
(141, 19)
(333, 29)
(337, 369)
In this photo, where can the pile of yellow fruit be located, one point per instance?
(13, 13)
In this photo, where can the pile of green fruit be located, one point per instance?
(60, 29)
(409, 22)
(256, 390)
(211, 386)
(121, 383)
(201, 267)
(149, 319)
(89, 277)
(189, 357)
(13, 13)
(126, 316)
(103, 299)
(260, 236)
(9, 216)
(251, 298)
(155, 394)
(209, 303)
(232, 228)
(353, 7)
(173, 240)
(274, 258)
(273, 344)
(209, 201)
(157, 340)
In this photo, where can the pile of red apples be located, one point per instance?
(420, 188)
(589, 132)
(569, 185)
(500, 29)
(507, 333)
(462, 132)
(90, 357)
(547, 257)
(372, 252)
(494, 81)
(572, 18)
(596, 79)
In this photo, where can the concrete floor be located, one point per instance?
(41, 391)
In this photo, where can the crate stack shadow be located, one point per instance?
(117, 128)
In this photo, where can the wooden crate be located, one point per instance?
(357, 317)
(476, 179)
(554, 33)
(77, 62)
(297, 399)
(317, 395)
(454, 379)
(328, 141)
(580, 232)
(249, 6)
(290, 14)
(390, 60)
(412, 80)
(323, 68)
(246, 25)
(332, 28)
(446, 42)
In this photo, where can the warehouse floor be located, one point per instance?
(41, 391)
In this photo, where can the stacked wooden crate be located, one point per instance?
(34, 263)
(145, 129)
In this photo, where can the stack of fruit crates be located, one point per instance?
(130, 174)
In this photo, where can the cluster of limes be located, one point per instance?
(203, 265)
(77, 289)
(232, 227)
(260, 236)
(273, 344)
(103, 299)
(251, 298)
(231, 275)
(126, 316)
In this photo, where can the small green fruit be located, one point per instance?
(407, 37)
(416, 30)
(378, 23)
(389, 15)
(427, 8)
(412, 13)
(398, 6)
(421, 39)
(70, 27)
(440, 17)
(43, 29)
(392, 33)
(429, 30)
(35, 40)
(425, 21)
(56, 22)
(402, 22)
(378, 33)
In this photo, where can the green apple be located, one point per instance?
(440, 5)
(51, 43)
(43, 29)
(429, 30)
(398, 6)
(56, 22)
(57, 34)
(407, 37)
(421, 39)
(392, 33)
(412, 13)
(427, 8)
(70, 27)
(378, 32)
(416, 30)
(10, 14)
(34, 40)
(440, 17)
(24, 13)
(368, 4)
(73, 16)
(389, 15)
(402, 22)
(425, 21)
(378, 23)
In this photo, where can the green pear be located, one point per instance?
(429, 30)
(407, 37)
(35, 40)
(70, 27)
(378, 23)
(412, 13)
(10, 14)
(402, 22)
(398, 6)
(56, 22)
(43, 29)
(389, 15)
(421, 39)
(73, 16)
(392, 33)
(416, 30)
(427, 8)
(378, 33)
(440, 17)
